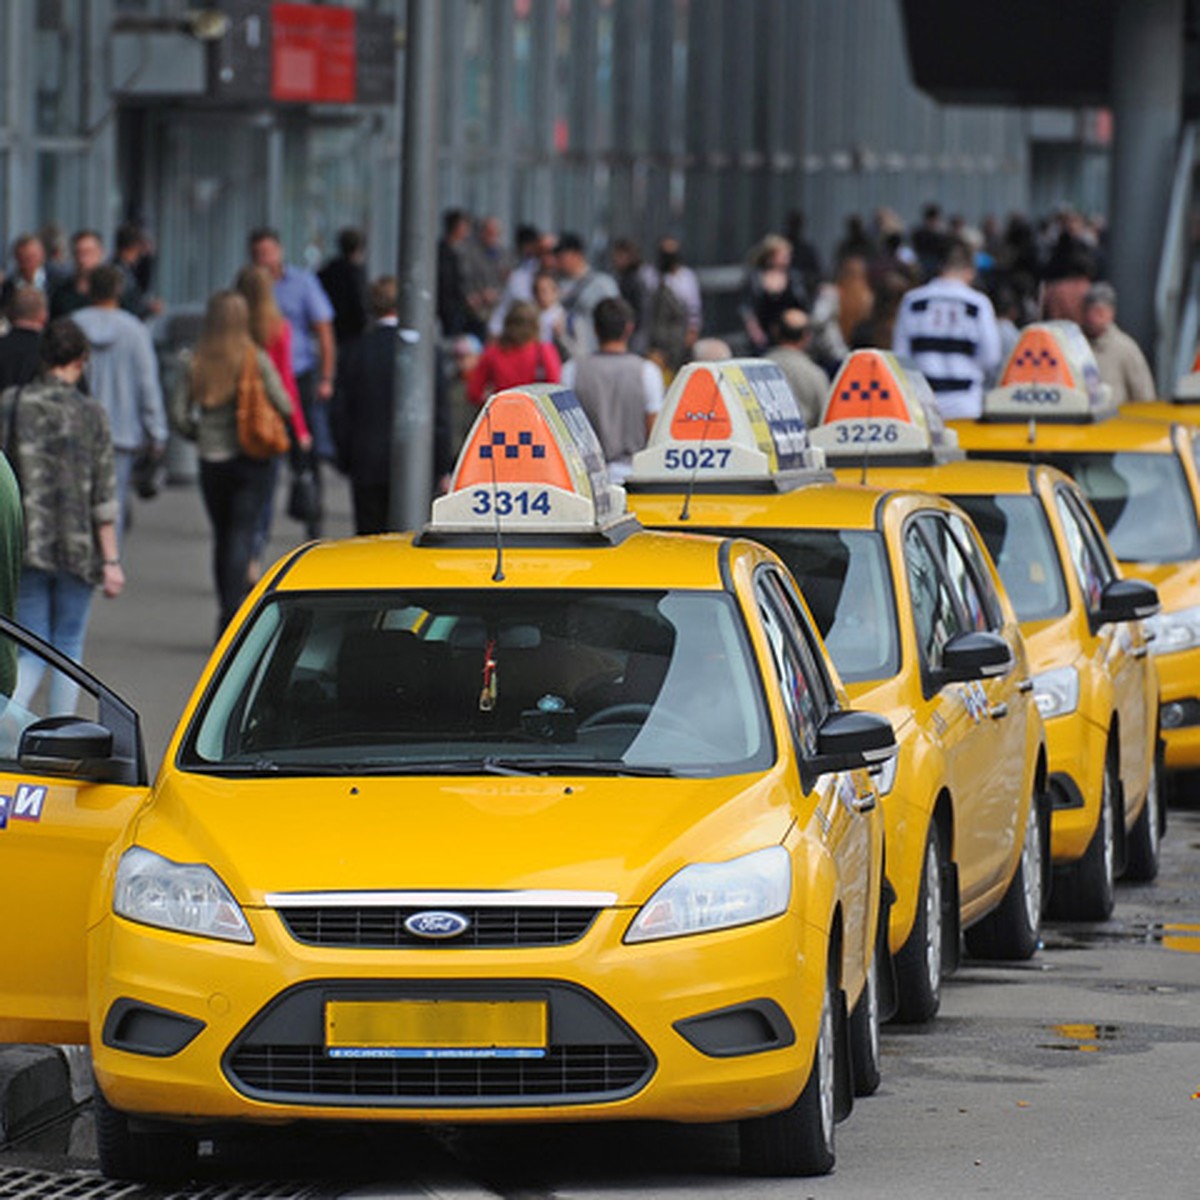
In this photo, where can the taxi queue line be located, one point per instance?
(645, 826)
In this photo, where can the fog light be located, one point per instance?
(1171, 715)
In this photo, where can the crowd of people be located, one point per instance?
(84, 421)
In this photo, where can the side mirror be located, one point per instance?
(1126, 600)
(849, 740)
(69, 746)
(975, 655)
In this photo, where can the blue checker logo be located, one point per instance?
(512, 449)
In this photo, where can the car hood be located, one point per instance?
(621, 835)
(1178, 584)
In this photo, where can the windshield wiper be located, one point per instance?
(537, 765)
(490, 764)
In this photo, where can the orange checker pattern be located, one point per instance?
(867, 388)
(512, 443)
(1037, 358)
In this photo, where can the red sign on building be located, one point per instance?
(313, 54)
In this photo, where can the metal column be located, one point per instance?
(1147, 85)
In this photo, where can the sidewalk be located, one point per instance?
(149, 645)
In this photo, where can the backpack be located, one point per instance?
(262, 432)
(667, 325)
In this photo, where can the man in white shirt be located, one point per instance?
(948, 329)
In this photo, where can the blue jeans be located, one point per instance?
(55, 606)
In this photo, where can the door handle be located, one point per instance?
(864, 803)
(1026, 685)
(1140, 651)
(998, 711)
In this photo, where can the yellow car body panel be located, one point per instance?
(935, 733)
(1118, 683)
(336, 833)
(1178, 582)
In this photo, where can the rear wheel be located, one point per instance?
(1011, 931)
(1086, 890)
(864, 1029)
(141, 1155)
(919, 963)
(799, 1140)
(1141, 856)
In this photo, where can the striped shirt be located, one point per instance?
(948, 329)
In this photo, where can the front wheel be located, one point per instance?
(1141, 858)
(1011, 931)
(140, 1155)
(799, 1140)
(919, 962)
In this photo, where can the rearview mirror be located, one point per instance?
(849, 740)
(1126, 600)
(69, 746)
(974, 655)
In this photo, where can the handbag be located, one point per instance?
(262, 432)
(148, 473)
(304, 500)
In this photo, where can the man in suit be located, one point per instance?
(20, 348)
(361, 415)
(344, 279)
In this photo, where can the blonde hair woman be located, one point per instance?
(517, 357)
(234, 486)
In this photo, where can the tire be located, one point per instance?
(864, 1031)
(159, 1155)
(1086, 890)
(919, 966)
(1142, 845)
(799, 1140)
(1012, 930)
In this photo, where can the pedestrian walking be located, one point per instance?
(307, 309)
(808, 382)
(62, 454)
(21, 347)
(344, 279)
(29, 256)
(583, 287)
(226, 364)
(1122, 364)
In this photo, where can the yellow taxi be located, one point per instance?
(531, 816)
(911, 611)
(1093, 679)
(1141, 479)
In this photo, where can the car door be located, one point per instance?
(70, 780)
(809, 697)
(982, 760)
(1122, 646)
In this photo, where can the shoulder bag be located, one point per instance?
(262, 432)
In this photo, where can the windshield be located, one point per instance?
(1142, 501)
(487, 681)
(844, 577)
(1018, 537)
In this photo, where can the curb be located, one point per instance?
(35, 1087)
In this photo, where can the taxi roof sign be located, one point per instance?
(532, 464)
(1051, 375)
(880, 406)
(728, 421)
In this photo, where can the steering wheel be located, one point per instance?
(630, 713)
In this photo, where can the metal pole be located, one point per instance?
(415, 396)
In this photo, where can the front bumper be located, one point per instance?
(620, 1045)
(1077, 750)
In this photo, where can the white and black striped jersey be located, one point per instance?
(948, 329)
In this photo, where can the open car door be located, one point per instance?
(72, 774)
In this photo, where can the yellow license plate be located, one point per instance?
(435, 1028)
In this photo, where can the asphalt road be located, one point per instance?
(1075, 1075)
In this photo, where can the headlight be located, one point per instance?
(1056, 692)
(1174, 631)
(190, 898)
(709, 896)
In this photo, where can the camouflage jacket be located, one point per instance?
(63, 459)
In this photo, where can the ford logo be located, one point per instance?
(436, 924)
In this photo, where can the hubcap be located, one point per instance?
(1031, 868)
(933, 919)
(1106, 831)
(871, 999)
(1152, 811)
(825, 1066)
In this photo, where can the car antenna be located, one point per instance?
(685, 513)
(498, 573)
(1032, 430)
(867, 443)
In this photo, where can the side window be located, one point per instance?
(802, 690)
(962, 578)
(1092, 568)
(936, 616)
(969, 542)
